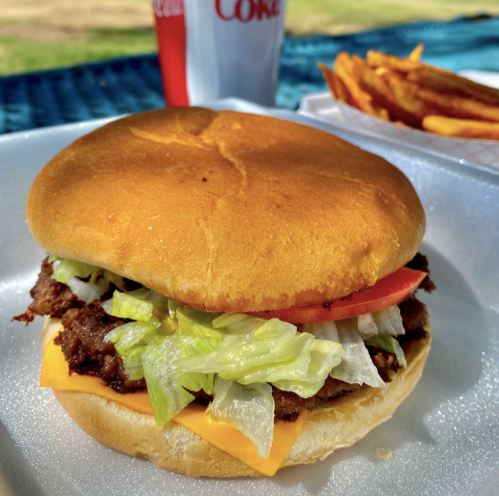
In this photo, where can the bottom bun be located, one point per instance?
(342, 423)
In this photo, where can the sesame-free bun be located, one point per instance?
(227, 211)
(340, 424)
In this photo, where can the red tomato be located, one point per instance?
(386, 292)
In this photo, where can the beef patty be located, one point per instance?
(85, 327)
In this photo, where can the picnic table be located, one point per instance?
(133, 84)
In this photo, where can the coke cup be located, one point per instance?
(211, 49)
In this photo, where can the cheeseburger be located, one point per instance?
(227, 294)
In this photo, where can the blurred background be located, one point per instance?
(36, 35)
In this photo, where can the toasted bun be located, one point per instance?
(227, 211)
(341, 424)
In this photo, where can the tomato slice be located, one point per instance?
(386, 292)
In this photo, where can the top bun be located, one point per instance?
(227, 211)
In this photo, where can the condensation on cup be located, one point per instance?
(211, 49)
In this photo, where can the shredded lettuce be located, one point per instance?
(54, 258)
(367, 326)
(107, 306)
(68, 269)
(324, 355)
(389, 321)
(193, 322)
(356, 366)
(155, 305)
(168, 392)
(194, 337)
(390, 344)
(272, 352)
(84, 291)
(133, 363)
(129, 336)
(129, 307)
(249, 408)
(164, 380)
(238, 323)
(131, 340)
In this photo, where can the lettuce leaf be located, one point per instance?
(133, 363)
(129, 307)
(194, 337)
(68, 269)
(195, 323)
(356, 366)
(366, 325)
(55, 258)
(84, 291)
(164, 383)
(238, 323)
(271, 352)
(130, 341)
(324, 355)
(129, 336)
(249, 408)
(389, 321)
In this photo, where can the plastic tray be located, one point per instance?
(444, 437)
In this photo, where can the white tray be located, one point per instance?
(444, 437)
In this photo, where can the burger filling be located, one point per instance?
(251, 371)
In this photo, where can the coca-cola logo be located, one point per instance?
(247, 10)
(168, 8)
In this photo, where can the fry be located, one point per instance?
(379, 104)
(387, 74)
(458, 106)
(392, 99)
(343, 69)
(448, 126)
(383, 72)
(409, 93)
(449, 82)
(335, 85)
(378, 59)
(432, 76)
(415, 55)
(445, 104)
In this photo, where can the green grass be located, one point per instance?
(20, 55)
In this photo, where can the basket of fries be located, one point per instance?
(407, 100)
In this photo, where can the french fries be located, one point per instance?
(411, 93)
(444, 82)
(415, 55)
(461, 128)
(335, 84)
(377, 87)
(343, 67)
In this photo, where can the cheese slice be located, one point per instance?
(55, 374)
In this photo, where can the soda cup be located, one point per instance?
(211, 49)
